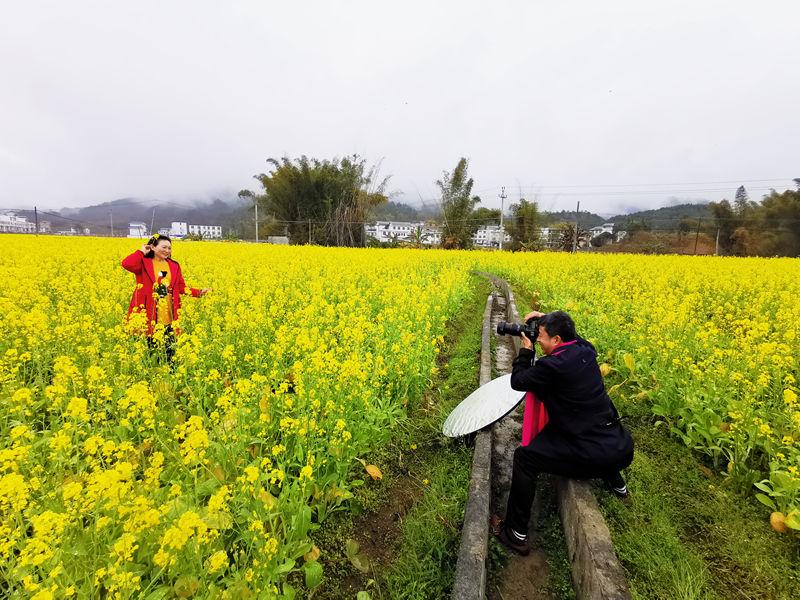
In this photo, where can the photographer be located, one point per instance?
(583, 437)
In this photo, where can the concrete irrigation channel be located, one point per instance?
(596, 571)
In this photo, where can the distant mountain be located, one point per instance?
(395, 211)
(158, 213)
(236, 215)
(585, 219)
(668, 217)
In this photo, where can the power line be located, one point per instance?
(647, 184)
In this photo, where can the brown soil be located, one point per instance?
(377, 532)
(523, 578)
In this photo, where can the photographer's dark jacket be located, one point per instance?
(583, 422)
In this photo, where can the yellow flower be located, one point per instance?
(217, 561)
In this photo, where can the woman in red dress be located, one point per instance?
(159, 287)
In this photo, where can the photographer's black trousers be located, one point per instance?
(546, 455)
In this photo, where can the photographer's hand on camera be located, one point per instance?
(526, 342)
(533, 315)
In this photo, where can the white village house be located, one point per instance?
(601, 229)
(488, 236)
(10, 223)
(403, 231)
(178, 230)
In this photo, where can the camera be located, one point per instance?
(530, 329)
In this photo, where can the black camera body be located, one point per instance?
(530, 329)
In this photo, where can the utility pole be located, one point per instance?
(309, 232)
(36, 218)
(152, 220)
(575, 237)
(502, 205)
(111, 218)
(716, 244)
(697, 235)
(255, 203)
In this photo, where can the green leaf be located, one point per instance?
(159, 593)
(765, 500)
(186, 586)
(207, 487)
(285, 567)
(792, 520)
(351, 548)
(360, 562)
(362, 595)
(763, 487)
(289, 592)
(219, 520)
(313, 572)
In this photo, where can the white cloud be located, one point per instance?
(104, 100)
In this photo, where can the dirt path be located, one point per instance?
(523, 577)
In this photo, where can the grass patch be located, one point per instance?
(554, 544)
(686, 535)
(414, 551)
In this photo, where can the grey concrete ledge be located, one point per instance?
(470, 577)
(596, 571)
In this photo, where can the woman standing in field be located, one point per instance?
(159, 287)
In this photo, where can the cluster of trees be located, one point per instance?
(770, 227)
(323, 202)
(327, 202)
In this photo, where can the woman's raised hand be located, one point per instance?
(146, 248)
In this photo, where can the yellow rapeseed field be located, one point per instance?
(116, 473)
(119, 474)
(710, 344)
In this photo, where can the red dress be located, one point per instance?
(142, 299)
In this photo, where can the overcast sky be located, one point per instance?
(605, 103)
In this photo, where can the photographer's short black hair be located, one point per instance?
(559, 323)
(153, 241)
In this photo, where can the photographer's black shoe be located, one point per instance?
(508, 537)
(616, 485)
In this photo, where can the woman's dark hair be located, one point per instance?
(153, 241)
(559, 323)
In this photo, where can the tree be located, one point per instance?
(566, 236)
(323, 201)
(601, 240)
(742, 205)
(418, 238)
(726, 222)
(635, 225)
(457, 207)
(524, 226)
(780, 213)
(486, 216)
(685, 226)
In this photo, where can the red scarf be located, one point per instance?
(535, 416)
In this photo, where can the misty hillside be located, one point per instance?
(668, 217)
(160, 213)
(237, 215)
